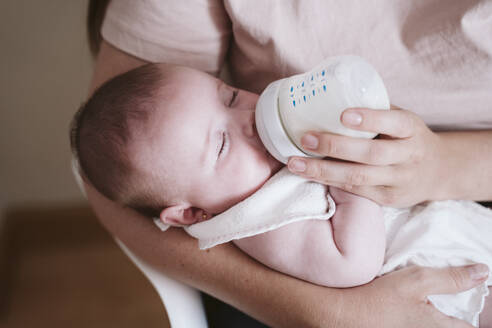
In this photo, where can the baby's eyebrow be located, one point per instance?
(219, 83)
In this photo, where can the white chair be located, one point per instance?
(183, 303)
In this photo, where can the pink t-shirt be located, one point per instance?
(434, 56)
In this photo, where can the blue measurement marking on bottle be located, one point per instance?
(294, 103)
(304, 98)
(323, 73)
(324, 87)
(313, 92)
(291, 88)
(303, 84)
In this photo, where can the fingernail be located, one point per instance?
(352, 118)
(478, 271)
(297, 165)
(310, 141)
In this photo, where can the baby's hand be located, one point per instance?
(341, 196)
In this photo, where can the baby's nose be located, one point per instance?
(249, 128)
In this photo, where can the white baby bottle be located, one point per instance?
(314, 101)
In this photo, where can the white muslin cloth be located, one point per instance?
(435, 234)
(285, 198)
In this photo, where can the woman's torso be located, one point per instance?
(435, 56)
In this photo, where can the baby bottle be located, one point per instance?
(314, 101)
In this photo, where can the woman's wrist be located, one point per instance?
(464, 169)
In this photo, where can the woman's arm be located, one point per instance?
(224, 271)
(407, 165)
(465, 156)
(394, 300)
(345, 251)
(276, 299)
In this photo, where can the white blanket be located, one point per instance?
(441, 234)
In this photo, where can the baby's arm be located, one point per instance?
(345, 251)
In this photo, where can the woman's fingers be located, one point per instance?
(449, 280)
(399, 169)
(341, 174)
(368, 151)
(395, 123)
(403, 296)
(399, 124)
(453, 280)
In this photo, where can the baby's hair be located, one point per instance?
(104, 127)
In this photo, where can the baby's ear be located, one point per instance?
(181, 215)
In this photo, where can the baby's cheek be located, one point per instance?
(250, 180)
(248, 171)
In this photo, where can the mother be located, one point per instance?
(435, 59)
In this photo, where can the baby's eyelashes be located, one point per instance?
(224, 144)
(233, 98)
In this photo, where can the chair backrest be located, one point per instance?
(183, 303)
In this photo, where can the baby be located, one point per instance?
(181, 145)
(178, 144)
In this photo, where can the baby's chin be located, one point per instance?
(272, 162)
(271, 167)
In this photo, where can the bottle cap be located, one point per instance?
(270, 127)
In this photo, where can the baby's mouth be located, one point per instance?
(275, 165)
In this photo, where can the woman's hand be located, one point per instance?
(399, 299)
(399, 168)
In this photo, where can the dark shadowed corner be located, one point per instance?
(60, 268)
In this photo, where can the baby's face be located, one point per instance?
(204, 138)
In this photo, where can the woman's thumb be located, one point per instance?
(453, 280)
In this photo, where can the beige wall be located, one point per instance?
(45, 70)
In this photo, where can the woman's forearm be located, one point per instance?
(223, 271)
(393, 300)
(465, 169)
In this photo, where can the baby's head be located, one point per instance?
(171, 141)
